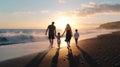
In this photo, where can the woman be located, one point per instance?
(68, 31)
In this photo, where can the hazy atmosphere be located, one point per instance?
(37, 14)
(86, 33)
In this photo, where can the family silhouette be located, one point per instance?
(51, 30)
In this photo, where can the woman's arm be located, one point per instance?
(63, 33)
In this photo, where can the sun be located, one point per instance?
(61, 22)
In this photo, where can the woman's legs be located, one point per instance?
(68, 43)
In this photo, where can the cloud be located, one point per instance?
(30, 12)
(23, 13)
(44, 11)
(91, 4)
(94, 8)
(62, 1)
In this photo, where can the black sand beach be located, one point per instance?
(102, 51)
(105, 49)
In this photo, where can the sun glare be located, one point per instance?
(61, 22)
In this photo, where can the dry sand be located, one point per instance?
(103, 51)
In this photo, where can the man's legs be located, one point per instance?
(51, 42)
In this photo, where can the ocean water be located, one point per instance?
(15, 36)
(20, 42)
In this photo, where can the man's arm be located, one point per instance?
(46, 30)
(55, 31)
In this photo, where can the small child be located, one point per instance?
(58, 39)
(76, 36)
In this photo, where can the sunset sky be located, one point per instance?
(37, 14)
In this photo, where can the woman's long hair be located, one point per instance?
(68, 27)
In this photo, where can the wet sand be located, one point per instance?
(103, 51)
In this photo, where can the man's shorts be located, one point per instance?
(51, 36)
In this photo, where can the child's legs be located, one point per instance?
(76, 40)
(58, 41)
(59, 45)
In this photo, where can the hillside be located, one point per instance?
(110, 25)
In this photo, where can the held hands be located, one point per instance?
(62, 35)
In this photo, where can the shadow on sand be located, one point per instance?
(55, 58)
(74, 61)
(88, 58)
(37, 60)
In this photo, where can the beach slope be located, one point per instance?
(102, 51)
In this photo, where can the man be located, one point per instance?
(51, 29)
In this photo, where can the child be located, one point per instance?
(76, 36)
(58, 39)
